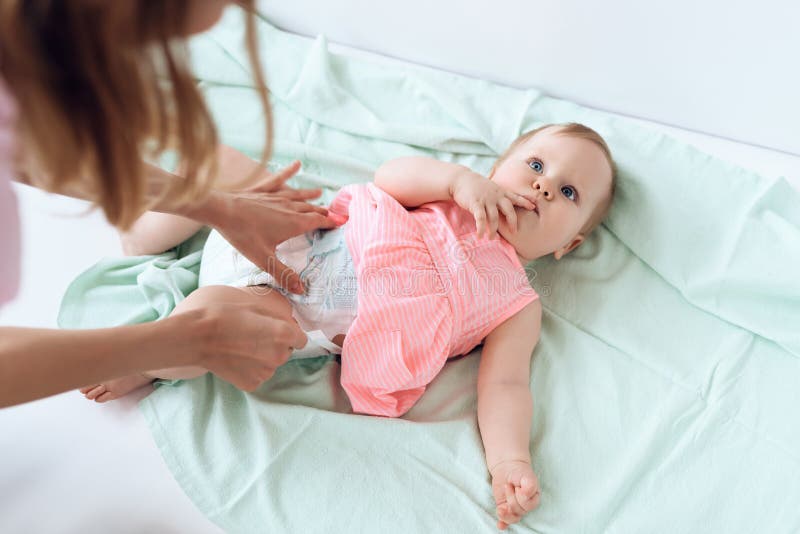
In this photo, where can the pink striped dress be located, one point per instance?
(428, 289)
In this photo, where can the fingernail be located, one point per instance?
(336, 218)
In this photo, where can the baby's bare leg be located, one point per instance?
(272, 301)
(154, 232)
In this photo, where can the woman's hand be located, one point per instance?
(516, 491)
(485, 200)
(244, 343)
(256, 220)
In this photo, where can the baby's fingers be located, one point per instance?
(480, 219)
(505, 517)
(519, 200)
(511, 501)
(527, 500)
(507, 208)
(494, 220)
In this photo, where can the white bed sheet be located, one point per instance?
(69, 465)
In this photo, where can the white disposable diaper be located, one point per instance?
(324, 264)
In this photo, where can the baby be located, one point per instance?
(428, 263)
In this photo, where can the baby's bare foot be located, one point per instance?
(114, 389)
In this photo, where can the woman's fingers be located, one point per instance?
(312, 220)
(274, 182)
(289, 171)
(284, 275)
(299, 194)
(288, 335)
(305, 207)
(298, 339)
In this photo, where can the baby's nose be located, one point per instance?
(544, 190)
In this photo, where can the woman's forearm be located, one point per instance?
(235, 170)
(37, 362)
(504, 418)
(208, 211)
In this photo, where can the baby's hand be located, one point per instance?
(483, 198)
(516, 491)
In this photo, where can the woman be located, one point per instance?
(83, 106)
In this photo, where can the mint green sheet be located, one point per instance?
(666, 383)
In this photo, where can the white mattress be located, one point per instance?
(69, 465)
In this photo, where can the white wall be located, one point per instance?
(60, 240)
(726, 67)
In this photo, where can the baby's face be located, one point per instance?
(566, 177)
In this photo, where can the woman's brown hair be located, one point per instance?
(101, 87)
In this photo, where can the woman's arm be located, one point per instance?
(505, 410)
(241, 344)
(37, 362)
(253, 221)
(154, 232)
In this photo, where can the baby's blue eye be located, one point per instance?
(569, 192)
(536, 165)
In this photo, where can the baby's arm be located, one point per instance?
(155, 232)
(505, 409)
(414, 181)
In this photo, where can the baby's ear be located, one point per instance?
(563, 251)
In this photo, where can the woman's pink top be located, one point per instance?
(9, 218)
(428, 289)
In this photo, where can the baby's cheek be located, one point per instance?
(528, 226)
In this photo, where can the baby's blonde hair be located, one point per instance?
(574, 129)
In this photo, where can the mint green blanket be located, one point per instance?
(666, 384)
